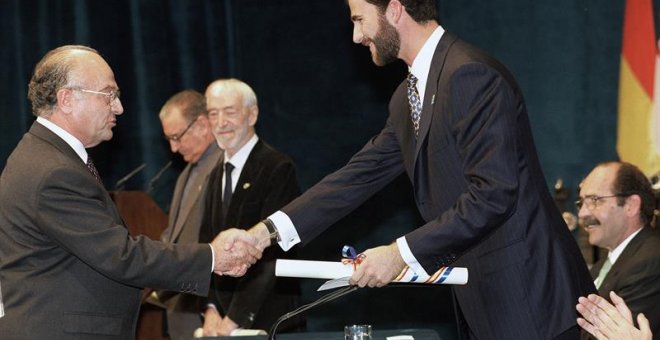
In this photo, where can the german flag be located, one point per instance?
(638, 135)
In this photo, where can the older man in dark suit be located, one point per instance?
(69, 269)
(459, 129)
(251, 181)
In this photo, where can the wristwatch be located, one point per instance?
(274, 234)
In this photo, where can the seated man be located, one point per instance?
(616, 208)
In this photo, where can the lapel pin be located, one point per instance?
(246, 186)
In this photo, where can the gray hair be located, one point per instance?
(235, 85)
(50, 75)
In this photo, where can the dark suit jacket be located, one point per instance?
(69, 269)
(479, 186)
(267, 182)
(185, 219)
(635, 276)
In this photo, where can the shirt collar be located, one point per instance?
(421, 66)
(73, 142)
(616, 252)
(239, 158)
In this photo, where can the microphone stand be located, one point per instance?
(120, 183)
(152, 182)
(326, 298)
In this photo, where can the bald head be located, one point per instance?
(53, 73)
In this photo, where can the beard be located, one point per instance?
(386, 42)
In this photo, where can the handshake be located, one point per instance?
(236, 250)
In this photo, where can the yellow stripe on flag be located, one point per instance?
(635, 142)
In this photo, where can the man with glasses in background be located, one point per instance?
(186, 127)
(615, 207)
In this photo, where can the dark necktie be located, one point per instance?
(415, 103)
(92, 169)
(226, 197)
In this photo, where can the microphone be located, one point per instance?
(122, 182)
(156, 177)
(325, 298)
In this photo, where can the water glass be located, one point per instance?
(357, 332)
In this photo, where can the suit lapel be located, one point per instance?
(42, 132)
(431, 92)
(195, 192)
(168, 235)
(622, 262)
(50, 137)
(245, 181)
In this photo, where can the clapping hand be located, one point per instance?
(606, 321)
(235, 251)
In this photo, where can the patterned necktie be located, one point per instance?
(603, 273)
(415, 103)
(92, 169)
(226, 197)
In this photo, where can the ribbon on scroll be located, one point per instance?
(338, 273)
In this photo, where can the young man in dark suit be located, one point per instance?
(459, 129)
(251, 181)
(68, 267)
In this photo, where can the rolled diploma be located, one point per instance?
(335, 270)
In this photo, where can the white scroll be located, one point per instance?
(339, 273)
(2, 307)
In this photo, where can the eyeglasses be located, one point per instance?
(177, 137)
(112, 95)
(591, 202)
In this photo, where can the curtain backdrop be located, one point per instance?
(321, 98)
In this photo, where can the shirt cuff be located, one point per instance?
(212, 258)
(410, 259)
(285, 228)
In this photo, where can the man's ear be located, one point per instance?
(394, 11)
(633, 205)
(254, 114)
(65, 100)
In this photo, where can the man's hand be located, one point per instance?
(379, 267)
(235, 251)
(605, 321)
(212, 321)
(260, 232)
(226, 326)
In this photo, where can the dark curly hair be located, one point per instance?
(50, 75)
(632, 181)
(420, 10)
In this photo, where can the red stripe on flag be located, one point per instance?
(639, 46)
